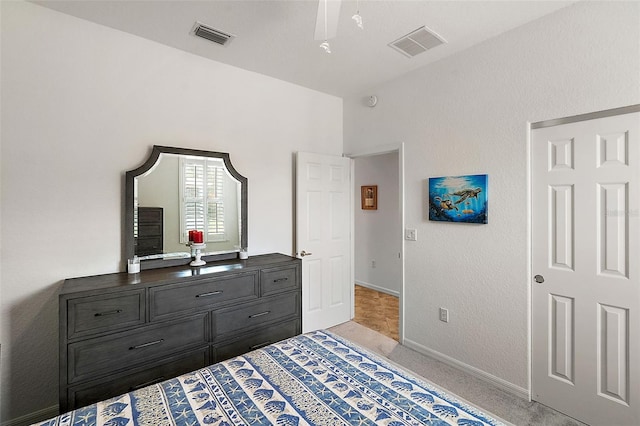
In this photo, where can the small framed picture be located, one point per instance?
(369, 195)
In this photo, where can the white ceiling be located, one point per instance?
(276, 37)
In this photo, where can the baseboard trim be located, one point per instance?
(476, 372)
(35, 417)
(376, 288)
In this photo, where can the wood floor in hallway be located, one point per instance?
(377, 311)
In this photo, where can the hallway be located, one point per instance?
(377, 311)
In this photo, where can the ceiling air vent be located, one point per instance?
(417, 42)
(211, 34)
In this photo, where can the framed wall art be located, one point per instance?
(458, 199)
(369, 197)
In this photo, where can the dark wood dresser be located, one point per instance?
(150, 231)
(119, 332)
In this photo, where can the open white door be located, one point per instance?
(323, 238)
(585, 257)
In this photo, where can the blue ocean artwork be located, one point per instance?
(458, 199)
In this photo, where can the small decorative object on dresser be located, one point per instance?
(120, 332)
(197, 249)
(133, 265)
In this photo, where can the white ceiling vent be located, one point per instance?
(211, 34)
(417, 42)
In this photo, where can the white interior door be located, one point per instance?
(585, 258)
(323, 238)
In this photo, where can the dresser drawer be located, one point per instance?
(115, 352)
(96, 314)
(149, 214)
(253, 315)
(275, 280)
(149, 245)
(167, 300)
(150, 229)
(256, 340)
(88, 393)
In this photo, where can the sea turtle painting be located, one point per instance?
(446, 193)
(466, 193)
(445, 204)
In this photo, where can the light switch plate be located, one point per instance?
(444, 315)
(411, 234)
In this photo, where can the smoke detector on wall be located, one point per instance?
(209, 33)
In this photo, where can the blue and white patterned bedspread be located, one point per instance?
(316, 378)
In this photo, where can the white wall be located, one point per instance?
(161, 188)
(468, 115)
(376, 233)
(81, 104)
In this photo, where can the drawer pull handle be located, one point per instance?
(102, 314)
(280, 280)
(260, 314)
(212, 293)
(144, 385)
(144, 345)
(259, 345)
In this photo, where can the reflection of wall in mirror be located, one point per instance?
(161, 188)
(231, 213)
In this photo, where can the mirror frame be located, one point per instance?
(129, 206)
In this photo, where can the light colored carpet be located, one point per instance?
(476, 391)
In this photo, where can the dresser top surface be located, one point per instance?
(165, 275)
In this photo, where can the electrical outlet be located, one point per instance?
(373, 263)
(410, 234)
(444, 315)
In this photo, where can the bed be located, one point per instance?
(316, 378)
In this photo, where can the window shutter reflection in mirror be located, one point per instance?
(202, 198)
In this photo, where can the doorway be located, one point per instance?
(378, 246)
(378, 311)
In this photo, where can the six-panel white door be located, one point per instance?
(585, 262)
(323, 200)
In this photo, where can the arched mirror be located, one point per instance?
(178, 190)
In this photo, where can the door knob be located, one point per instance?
(304, 253)
(539, 279)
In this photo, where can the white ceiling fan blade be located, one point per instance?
(332, 14)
